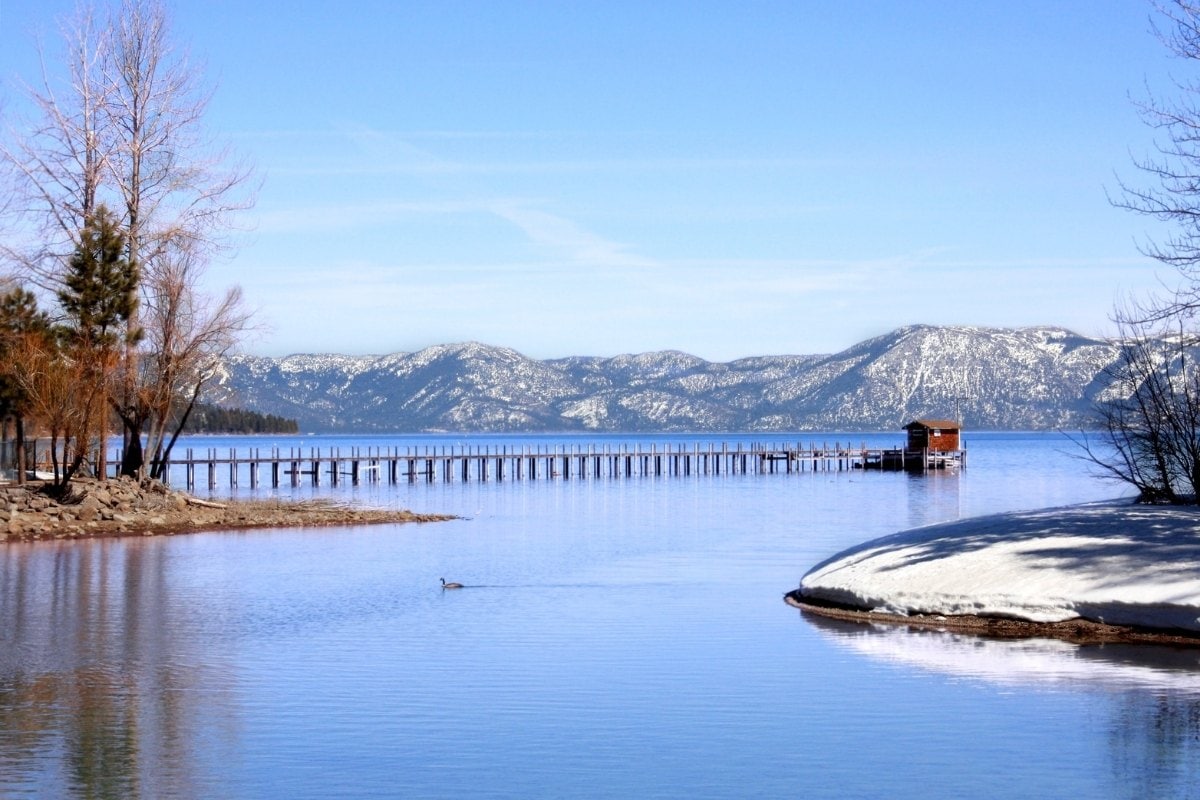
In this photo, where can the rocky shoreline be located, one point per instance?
(126, 507)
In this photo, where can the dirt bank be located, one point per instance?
(124, 507)
(1079, 631)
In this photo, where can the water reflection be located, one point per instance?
(933, 497)
(95, 668)
(1158, 739)
(623, 638)
(1153, 731)
(1022, 661)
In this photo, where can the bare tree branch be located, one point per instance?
(121, 124)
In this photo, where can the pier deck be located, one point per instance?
(277, 467)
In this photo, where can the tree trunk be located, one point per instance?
(159, 470)
(20, 429)
(54, 455)
(133, 459)
(102, 455)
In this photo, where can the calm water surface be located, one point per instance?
(615, 639)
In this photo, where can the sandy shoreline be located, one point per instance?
(1077, 631)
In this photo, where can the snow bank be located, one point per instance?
(1114, 562)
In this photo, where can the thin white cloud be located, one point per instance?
(562, 238)
(568, 238)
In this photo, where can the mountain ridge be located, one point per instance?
(1035, 378)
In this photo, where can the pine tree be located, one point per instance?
(20, 318)
(99, 297)
(101, 285)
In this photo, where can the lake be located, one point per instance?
(616, 638)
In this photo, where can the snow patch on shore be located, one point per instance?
(1115, 562)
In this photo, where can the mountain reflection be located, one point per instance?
(95, 672)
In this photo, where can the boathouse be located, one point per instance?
(933, 435)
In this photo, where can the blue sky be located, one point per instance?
(727, 179)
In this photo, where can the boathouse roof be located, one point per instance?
(940, 424)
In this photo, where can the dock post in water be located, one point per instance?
(567, 462)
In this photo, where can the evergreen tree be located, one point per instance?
(120, 118)
(206, 418)
(101, 284)
(98, 298)
(19, 318)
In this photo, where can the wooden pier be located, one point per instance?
(277, 467)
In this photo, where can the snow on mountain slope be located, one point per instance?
(1000, 378)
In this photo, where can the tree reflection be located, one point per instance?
(94, 675)
(1155, 743)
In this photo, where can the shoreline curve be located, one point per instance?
(1076, 631)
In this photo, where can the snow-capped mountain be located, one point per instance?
(999, 378)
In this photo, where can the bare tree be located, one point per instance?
(178, 195)
(58, 162)
(179, 188)
(188, 336)
(1149, 416)
(1172, 195)
(60, 391)
(123, 126)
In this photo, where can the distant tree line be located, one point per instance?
(207, 418)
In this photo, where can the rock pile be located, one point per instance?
(124, 506)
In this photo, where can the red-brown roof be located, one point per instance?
(942, 424)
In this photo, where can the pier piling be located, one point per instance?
(565, 462)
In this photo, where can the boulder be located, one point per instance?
(89, 509)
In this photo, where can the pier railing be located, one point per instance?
(295, 466)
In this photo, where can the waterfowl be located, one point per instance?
(451, 585)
